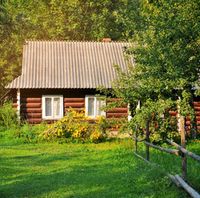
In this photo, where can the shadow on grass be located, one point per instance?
(93, 173)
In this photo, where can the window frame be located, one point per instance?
(103, 113)
(44, 107)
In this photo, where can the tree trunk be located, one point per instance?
(183, 144)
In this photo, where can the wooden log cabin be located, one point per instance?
(57, 75)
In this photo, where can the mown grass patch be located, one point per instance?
(80, 170)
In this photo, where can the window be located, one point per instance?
(52, 107)
(94, 106)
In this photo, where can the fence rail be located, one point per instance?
(180, 151)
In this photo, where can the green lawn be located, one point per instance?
(80, 170)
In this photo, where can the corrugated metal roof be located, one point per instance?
(64, 64)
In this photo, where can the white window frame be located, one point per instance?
(44, 107)
(95, 105)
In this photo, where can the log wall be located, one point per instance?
(117, 112)
(31, 103)
(31, 109)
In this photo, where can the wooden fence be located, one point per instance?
(179, 151)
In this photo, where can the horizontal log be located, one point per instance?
(31, 105)
(74, 105)
(34, 115)
(198, 117)
(197, 113)
(34, 120)
(116, 115)
(187, 123)
(31, 100)
(171, 151)
(118, 110)
(31, 110)
(193, 193)
(173, 113)
(187, 118)
(14, 105)
(14, 100)
(196, 104)
(76, 100)
(183, 150)
(196, 108)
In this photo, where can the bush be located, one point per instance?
(76, 127)
(8, 116)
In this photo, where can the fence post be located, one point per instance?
(136, 142)
(147, 139)
(183, 144)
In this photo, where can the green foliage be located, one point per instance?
(166, 52)
(22, 20)
(76, 127)
(8, 116)
(30, 133)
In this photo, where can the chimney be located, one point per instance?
(106, 40)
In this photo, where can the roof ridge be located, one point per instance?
(74, 41)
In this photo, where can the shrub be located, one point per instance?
(76, 127)
(8, 116)
(29, 133)
(97, 136)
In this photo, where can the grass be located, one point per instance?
(80, 170)
(172, 164)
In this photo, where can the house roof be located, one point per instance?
(69, 64)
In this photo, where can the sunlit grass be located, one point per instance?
(80, 170)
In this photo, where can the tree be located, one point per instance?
(22, 20)
(166, 51)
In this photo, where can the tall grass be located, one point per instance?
(8, 116)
